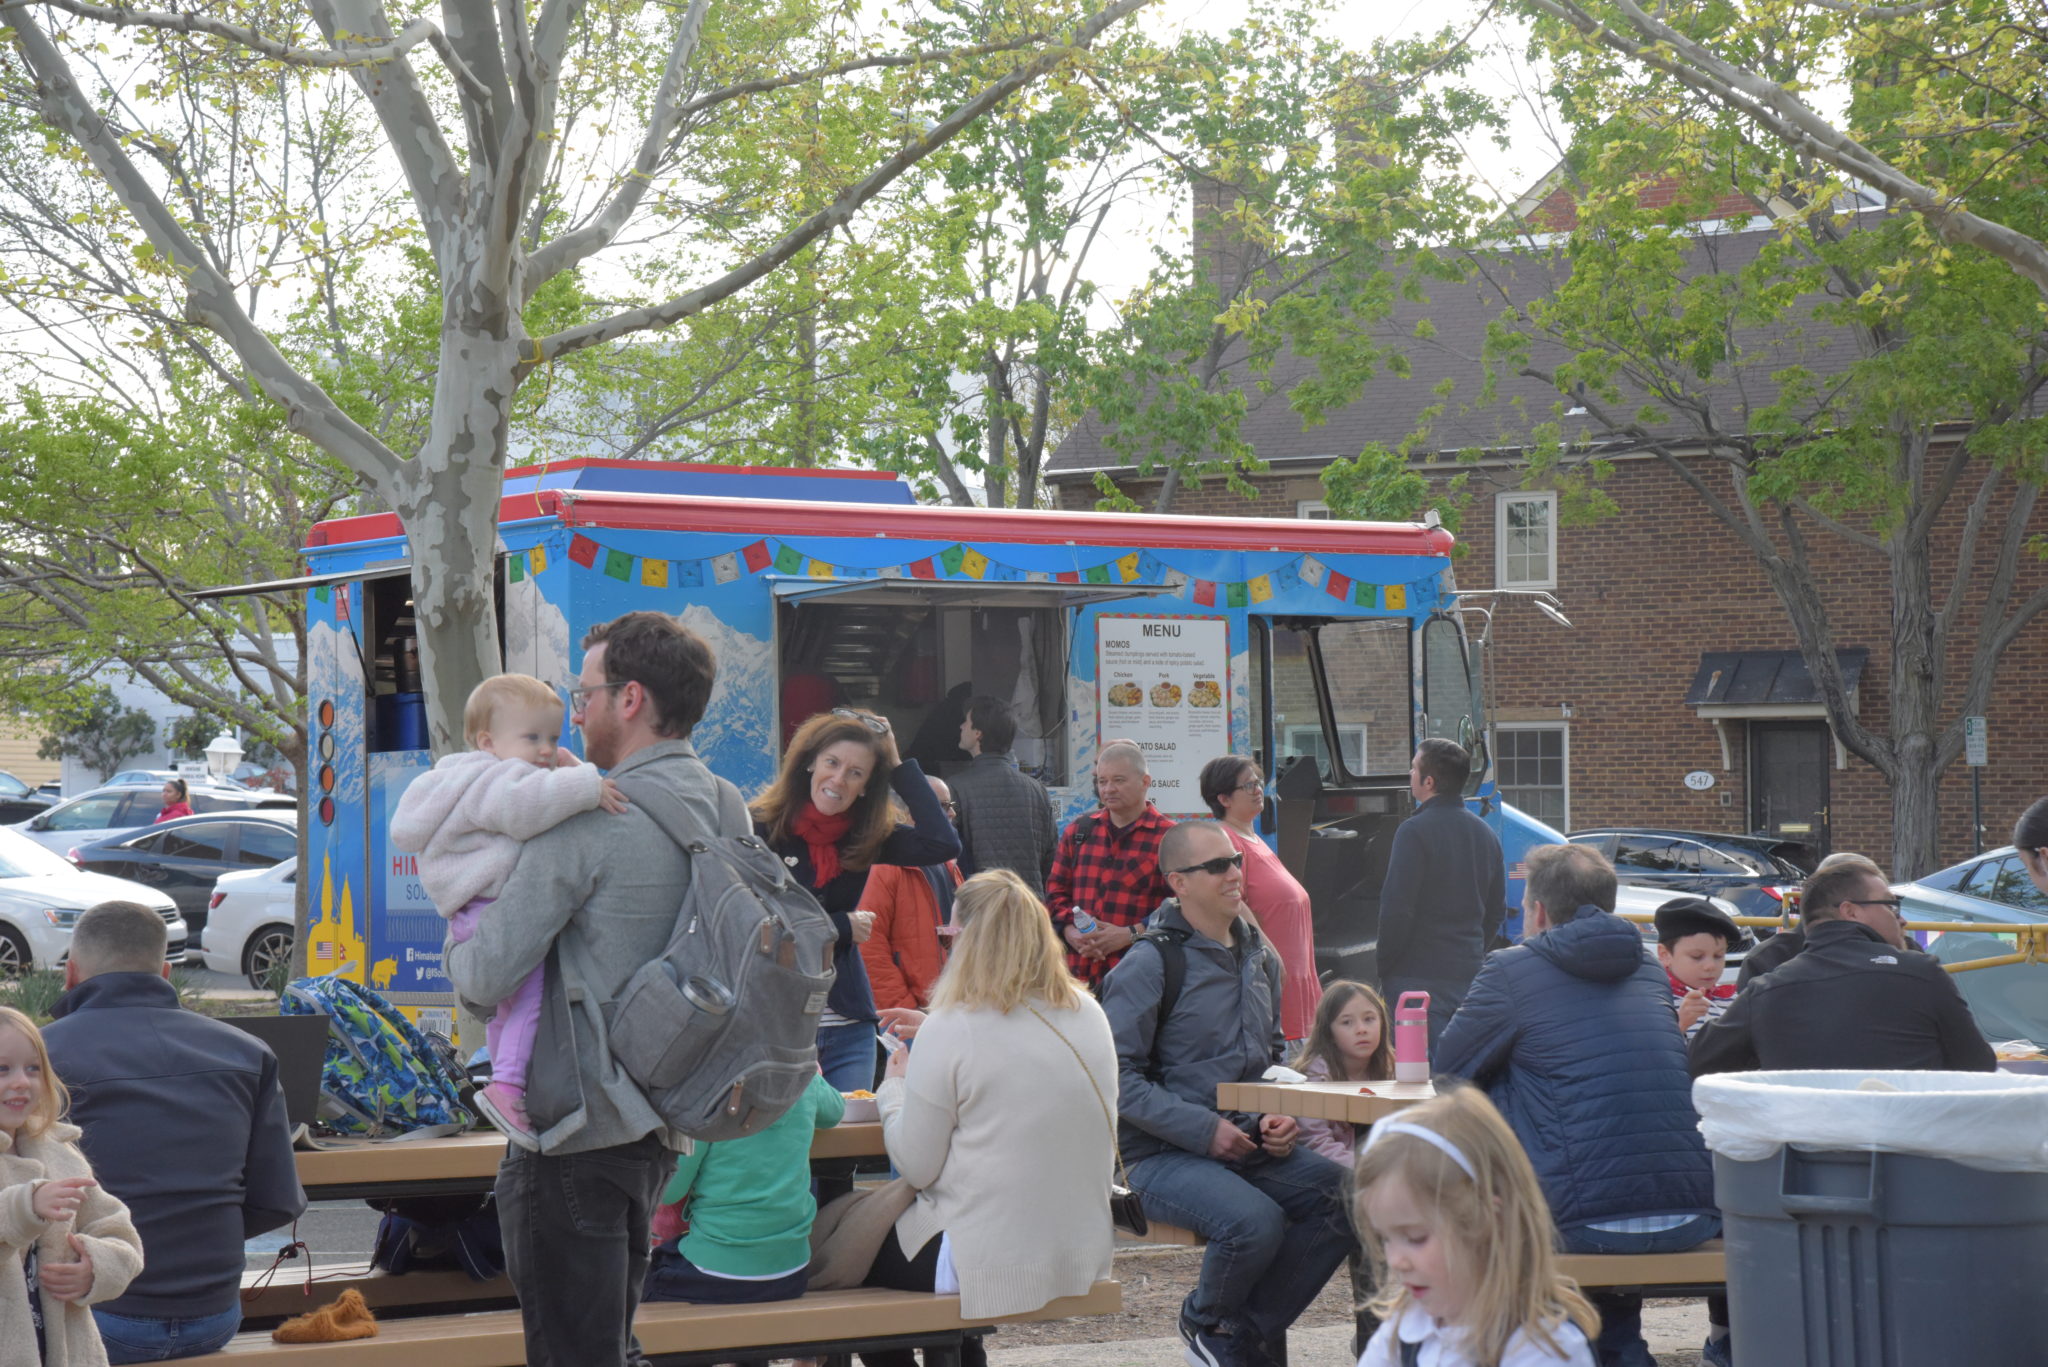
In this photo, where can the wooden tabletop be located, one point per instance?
(353, 1169)
(1351, 1102)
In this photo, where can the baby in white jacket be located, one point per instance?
(466, 818)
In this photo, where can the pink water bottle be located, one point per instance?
(1411, 1037)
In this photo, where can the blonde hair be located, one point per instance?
(1496, 1226)
(1322, 1036)
(873, 813)
(504, 690)
(1007, 954)
(56, 1098)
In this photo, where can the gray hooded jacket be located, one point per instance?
(1225, 1027)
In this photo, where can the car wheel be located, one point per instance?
(268, 953)
(15, 958)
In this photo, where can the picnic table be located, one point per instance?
(347, 1170)
(1354, 1103)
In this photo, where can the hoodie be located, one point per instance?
(1573, 1037)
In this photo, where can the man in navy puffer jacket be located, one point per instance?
(1573, 1036)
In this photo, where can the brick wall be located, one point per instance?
(1648, 590)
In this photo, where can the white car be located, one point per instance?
(112, 810)
(42, 896)
(250, 923)
(1631, 898)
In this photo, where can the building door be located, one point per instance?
(1788, 781)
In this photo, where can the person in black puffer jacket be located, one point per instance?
(1573, 1035)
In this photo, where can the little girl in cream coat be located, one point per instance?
(64, 1243)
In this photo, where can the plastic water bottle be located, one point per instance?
(1411, 1037)
(1083, 922)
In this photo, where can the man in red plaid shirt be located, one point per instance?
(1108, 865)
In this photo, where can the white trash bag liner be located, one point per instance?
(1994, 1121)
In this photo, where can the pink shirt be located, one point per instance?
(1282, 906)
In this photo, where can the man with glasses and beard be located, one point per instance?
(1854, 997)
(1193, 1003)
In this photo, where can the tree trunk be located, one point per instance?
(1916, 809)
(1915, 729)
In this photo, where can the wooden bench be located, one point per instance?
(438, 1291)
(822, 1323)
(1696, 1272)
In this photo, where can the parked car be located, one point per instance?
(41, 897)
(133, 776)
(184, 857)
(250, 923)
(18, 801)
(2010, 1002)
(116, 810)
(1753, 872)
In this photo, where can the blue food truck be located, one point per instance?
(1323, 649)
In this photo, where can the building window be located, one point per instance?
(1313, 509)
(1309, 740)
(1535, 771)
(1525, 531)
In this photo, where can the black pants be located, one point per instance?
(893, 1270)
(576, 1247)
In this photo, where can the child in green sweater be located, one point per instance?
(735, 1221)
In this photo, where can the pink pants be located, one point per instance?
(510, 1032)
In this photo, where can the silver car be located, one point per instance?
(116, 809)
(2011, 1001)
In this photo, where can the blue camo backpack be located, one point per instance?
(382, 1076)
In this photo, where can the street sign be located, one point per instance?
(1976, 743)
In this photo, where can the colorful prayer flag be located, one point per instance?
(974, 564)
(924, 569)
(725, 568)
(618, 565)
(820, 570)
(1234, 595)
(324, 594)
(1205, 593)
(583, 550)
(1397, 597)
(1127, 568)
(536, 560)
(1312, 571)
(515, 567)
(1338, 586)
(1366, 595)
(654, 574)
(756, 557)
(953, 557)
(1097, 574)
(1262, 588)
(1068, 576)
(1037, 577)
(787, 561)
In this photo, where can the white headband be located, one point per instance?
(1428, 1136)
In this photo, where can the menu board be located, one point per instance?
(1164, 682)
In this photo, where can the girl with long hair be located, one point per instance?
(1348, 1042)
(829, 816)
(1463, 1245)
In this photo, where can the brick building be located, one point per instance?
(1680, 659)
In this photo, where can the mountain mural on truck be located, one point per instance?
(736, 737)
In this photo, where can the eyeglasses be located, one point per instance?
(579, 696)
(949, 807)
(1251, 785)
(878, 725)
(1892, 902)
(1217, 867)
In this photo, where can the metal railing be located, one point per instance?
(2030, 939)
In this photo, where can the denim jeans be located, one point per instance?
(846, 1055)
(576, 1246)
(146, 1339)
(1621, 1313)
(1276, 1229)
(672, 1277)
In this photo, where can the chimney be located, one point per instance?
(1219, 249)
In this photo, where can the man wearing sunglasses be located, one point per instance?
(1196, 1002)
(1854, 997)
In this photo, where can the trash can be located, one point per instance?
(1882, 1219)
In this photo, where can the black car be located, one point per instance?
(1753, 872)
(18, 801)
(183, 857)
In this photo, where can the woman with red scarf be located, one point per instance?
(829, 816)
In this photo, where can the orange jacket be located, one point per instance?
(904, 954)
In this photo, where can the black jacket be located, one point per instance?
(932, 840)
(184, 1122)
(1847, 1000)
(1006, 820)
(1444, 896)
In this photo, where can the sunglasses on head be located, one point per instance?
(876, 724)
(1220, 865)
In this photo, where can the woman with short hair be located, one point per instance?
(1236, 792)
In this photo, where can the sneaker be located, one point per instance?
(1718, 1352)
(1219, 1346)
(505, 1107)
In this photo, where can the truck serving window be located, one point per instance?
(1339, 692)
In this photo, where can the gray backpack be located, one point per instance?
(721, 1031)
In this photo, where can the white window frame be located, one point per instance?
(1546, 497)
(1564, 730)
(1311, 508)
(1292, 735)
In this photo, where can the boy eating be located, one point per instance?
(1693, 940)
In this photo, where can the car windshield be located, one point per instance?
(21, 857)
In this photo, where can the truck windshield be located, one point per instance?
(1359, 668)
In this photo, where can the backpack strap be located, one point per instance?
(1172, 944)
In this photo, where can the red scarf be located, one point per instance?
(823, 834)
(1719, 992)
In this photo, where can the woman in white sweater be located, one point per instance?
(1003, 1117)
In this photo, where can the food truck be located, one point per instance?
(1324, 649)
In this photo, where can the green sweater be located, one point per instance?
(750, 1206)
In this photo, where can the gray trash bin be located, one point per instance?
(1872, 1258)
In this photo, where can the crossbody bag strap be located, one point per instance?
(1116, 1149)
